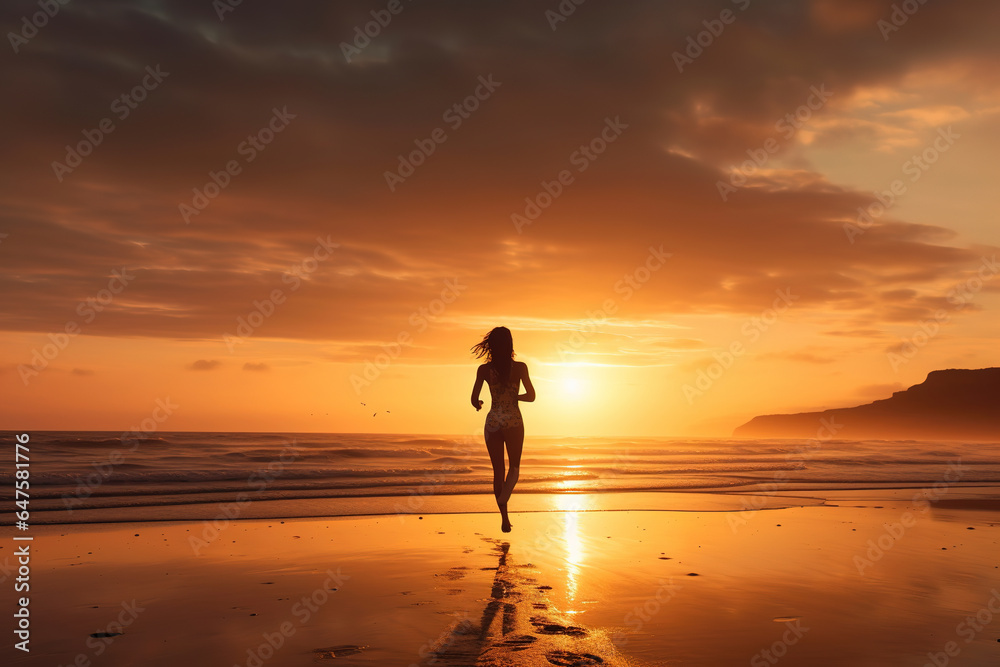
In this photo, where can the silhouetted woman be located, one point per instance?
(503, 423)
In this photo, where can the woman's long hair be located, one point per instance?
(498, 348)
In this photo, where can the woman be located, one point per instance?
(503, 423)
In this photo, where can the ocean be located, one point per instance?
(85, 477)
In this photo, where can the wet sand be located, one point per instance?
(871, 579)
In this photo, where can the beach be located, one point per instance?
(482, 334)
(865, 578)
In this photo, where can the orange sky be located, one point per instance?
(702, 259)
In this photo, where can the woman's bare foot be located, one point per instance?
(505, 526)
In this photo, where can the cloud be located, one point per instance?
(205, 365)
(256, 367)
(799, 356)
(322, 176)
(682, 344)
(845, 15)
(857, 333)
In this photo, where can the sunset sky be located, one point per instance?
(662, 251)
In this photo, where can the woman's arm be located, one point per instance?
(476, 388)
(529, 391)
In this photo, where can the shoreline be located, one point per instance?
(627, 587)
(611, 500)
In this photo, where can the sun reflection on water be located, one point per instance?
(575, 552)
(573, 479)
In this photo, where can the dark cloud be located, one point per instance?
(322, 176)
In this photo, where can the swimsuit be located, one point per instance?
(504, 412)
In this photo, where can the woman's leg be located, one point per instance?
(514, 437)
(494, 445)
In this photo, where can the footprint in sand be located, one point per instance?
(510, 630)
(570, 659)
(546, 627)
(332, 652)
(454, 574)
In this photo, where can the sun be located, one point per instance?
(573, 387)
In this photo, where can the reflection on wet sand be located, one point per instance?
(519, 627)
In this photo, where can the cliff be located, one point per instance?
(953, 404)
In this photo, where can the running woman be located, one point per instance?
(504, 426)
